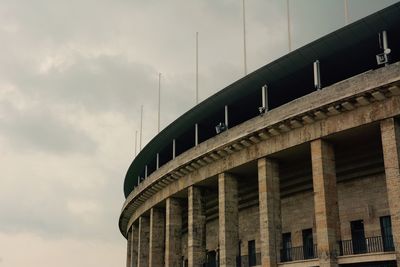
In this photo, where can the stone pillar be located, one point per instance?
(134, 246)
(228, 219)
(270, 212)
(143, 247)
(129, 249)
(325, 202)
(173, 222)
(390, 131)
(196, 228)
(156, 250)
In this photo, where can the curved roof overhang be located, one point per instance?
(343, 53)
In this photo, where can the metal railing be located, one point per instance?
(366, 245)
(248, 260)
(299, 253)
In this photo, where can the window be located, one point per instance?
(211, 258)
(252, 252)
(308, 244)
(358, 237)
(287, 247)
(386, 230)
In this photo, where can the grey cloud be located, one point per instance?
(40, 130)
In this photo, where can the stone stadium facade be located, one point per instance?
(298, 175)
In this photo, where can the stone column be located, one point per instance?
(143, 247)
(270, 212)
(325, 201)
(173, 222)
(390, 131)
(129, 249)
(134, 245)
(156, 250)
(228, 219)
(196, 228)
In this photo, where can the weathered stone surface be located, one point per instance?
(143, 247)
(325, 201)
(129, 249)
(270, 211)
(390, 131)
(157, 248)
(196, 228)
(134, 245)
(228, 219)
(173, 228)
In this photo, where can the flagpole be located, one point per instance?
(141, 128)
(135, 143)
(197, 68)
(346, 12)
(288, 25)
(244, 39)
(159, 100)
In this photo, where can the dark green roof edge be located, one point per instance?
(284, 66)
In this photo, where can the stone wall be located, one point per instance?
(362, 199)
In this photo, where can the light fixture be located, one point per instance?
(220, 127)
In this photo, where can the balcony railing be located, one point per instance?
(367, 245)
(299, 253)
(248, 260)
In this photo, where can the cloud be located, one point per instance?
(39, 129)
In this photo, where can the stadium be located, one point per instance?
(295, 164)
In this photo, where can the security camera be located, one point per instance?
(261, 110)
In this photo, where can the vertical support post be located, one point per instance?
(228, 219)
(173, 148)
(317, 75)
(173, 227)
(264, 97)
(134, 246)
(157, 249)
(158, 161)
(196, 134)
(196, 228)
(390, 134)
(226, 116)
(325, 202)
(270, 212)
(145, 171)
(143, 247)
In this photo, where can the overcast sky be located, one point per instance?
(73, 75)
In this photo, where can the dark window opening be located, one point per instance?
(308, 244)
(387, 236)
(252, 252)
(286, 247)
(358, 237)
